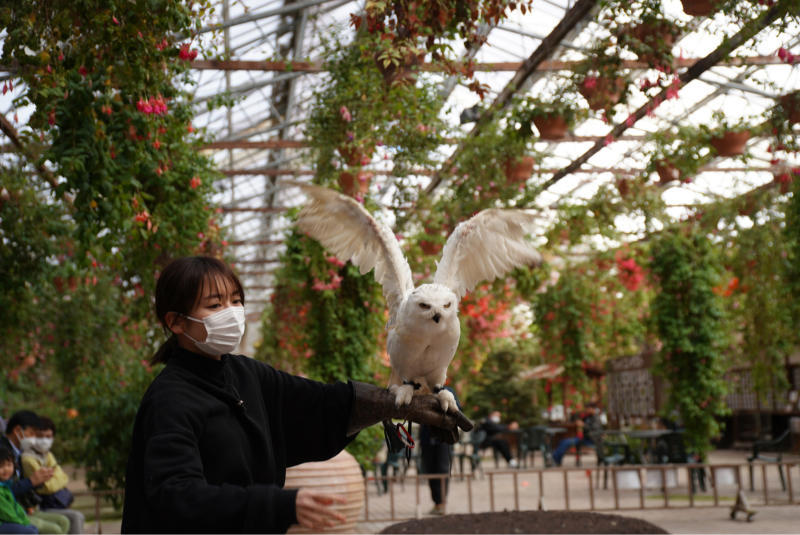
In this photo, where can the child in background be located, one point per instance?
(12, 516)
(56, 497)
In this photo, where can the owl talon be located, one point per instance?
(447, 400)
(402, 394)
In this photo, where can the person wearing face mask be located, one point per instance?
(20, 437)
(215, 431)
(56, 497)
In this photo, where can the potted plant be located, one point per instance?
(600, 78)
(728, 138)
(790, 103)
(699, 8)
(650, 35)
(676, 155)
(552, 115)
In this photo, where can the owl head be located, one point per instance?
(433, 301)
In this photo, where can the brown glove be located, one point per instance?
(372, 404)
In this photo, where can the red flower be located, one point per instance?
(82, 70)
(194, 182)
(142, 217)
(590, 82)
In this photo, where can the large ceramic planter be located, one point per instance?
(519, 170)
(698, 8)
(602, 92)
(730, 143)
(354, 184)
(340, 475)
(551, 127)
(791, 105)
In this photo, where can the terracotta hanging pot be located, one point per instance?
(402, 73)
(551, 126)
(519, 170)
(698, 8)
(667, 172)
(656, 35)
(353, 184)
(340, 475)
(601, 92)
(356, 155)
(623, 186)
(730, 143)
(791, 105)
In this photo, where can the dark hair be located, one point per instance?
(180, 288)
(22, 419)
(46, 423)
(6, 454)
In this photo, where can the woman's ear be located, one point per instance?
(174, 322)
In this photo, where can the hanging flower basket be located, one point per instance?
(730, 143)
(519, 170)
(698, 8)
(783, 179)
(402, 73)
(656, 35)
(791, 105)
(356, 155)
(667, 172)
(354, 184)
(551, 127)
(601, 92)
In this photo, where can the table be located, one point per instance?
(648, 437)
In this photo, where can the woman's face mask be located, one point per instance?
(224, 330)
(42, 445)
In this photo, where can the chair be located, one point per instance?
(534, 439)
(777, 446)
(670, 449)
(472, 451)
(609, 454)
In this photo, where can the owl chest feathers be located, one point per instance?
(426, 333)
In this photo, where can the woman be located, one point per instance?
(215, 432)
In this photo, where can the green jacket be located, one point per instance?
(10, 511)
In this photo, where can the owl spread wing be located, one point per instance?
(346, 229)
(486, 246)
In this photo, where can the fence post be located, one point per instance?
(764, 480)
(591, 489)
(469, 491)
(491, 491)
(97, 514)
(516, 492)
(789, 481)
(566, 489)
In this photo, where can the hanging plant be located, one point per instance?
(600, 77)
(551, 115)
(687, 317)
(676, 155)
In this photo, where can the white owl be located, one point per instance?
(423, 327)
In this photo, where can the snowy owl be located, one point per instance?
(423, 327)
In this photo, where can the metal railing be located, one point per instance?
(632, 488)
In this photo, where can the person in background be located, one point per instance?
(493, 427)
(215, 431)
(56, 497)
(13, 518)
(21, 435)
(436, 457)
(589, 424)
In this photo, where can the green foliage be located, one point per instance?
(687, 317)
(499, 387)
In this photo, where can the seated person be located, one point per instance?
(20, 436)
(589, 424)
(493, 428)
(13, 518)
(56, 497)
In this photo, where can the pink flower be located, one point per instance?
(335, 261)
(185, 53)
(195, 182)
(141, 217)
(590, 82)
(162, 45)
(115, 21)
(609, 140)
(674, 87)
(630, 120)
(345, 113)
(783, 53)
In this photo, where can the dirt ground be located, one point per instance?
(527, 522)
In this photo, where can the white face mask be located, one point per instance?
(494, 419)
(26, 444)
(224, 331)
(43, 445)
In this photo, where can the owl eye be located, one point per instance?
(447, 305)
(424, 306)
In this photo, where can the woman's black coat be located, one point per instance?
(212, 441)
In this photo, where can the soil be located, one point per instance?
(527, 522)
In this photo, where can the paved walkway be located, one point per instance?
(498, 493)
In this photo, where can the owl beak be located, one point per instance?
(437, 317)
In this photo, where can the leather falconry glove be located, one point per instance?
(372, 404)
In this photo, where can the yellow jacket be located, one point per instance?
(31, 463)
